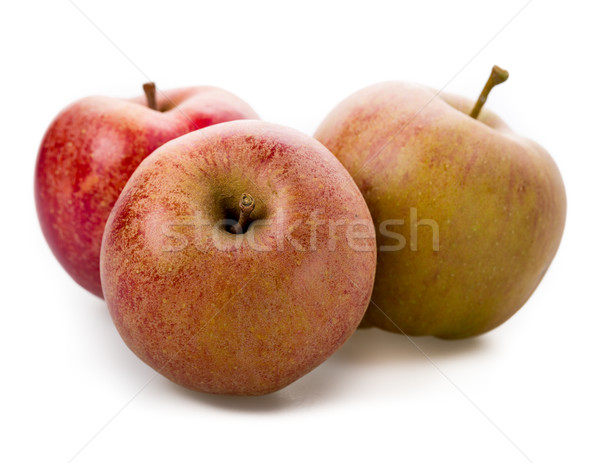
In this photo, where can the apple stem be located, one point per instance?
(497, 76)
(150, 91)
(246, 207)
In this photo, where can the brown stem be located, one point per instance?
(246, 207)
(150, 91)
(497, 76)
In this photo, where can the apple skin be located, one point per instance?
(498, 199)
(91, 149)
(244, 320)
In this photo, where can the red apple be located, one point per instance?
(248, 308)
(90, 151)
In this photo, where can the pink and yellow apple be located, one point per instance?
(238, 258)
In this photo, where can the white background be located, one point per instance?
(529, 390)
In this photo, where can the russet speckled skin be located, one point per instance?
(244, 320)
(498, 199)
(90, 151)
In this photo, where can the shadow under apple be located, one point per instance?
(274, 402)
(376, 347)
(346, 371)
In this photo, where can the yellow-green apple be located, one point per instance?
(91, 149)
(238, 258)
(469, 214)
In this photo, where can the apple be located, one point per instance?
(91, 149)
(238, 258)
(469, 214)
